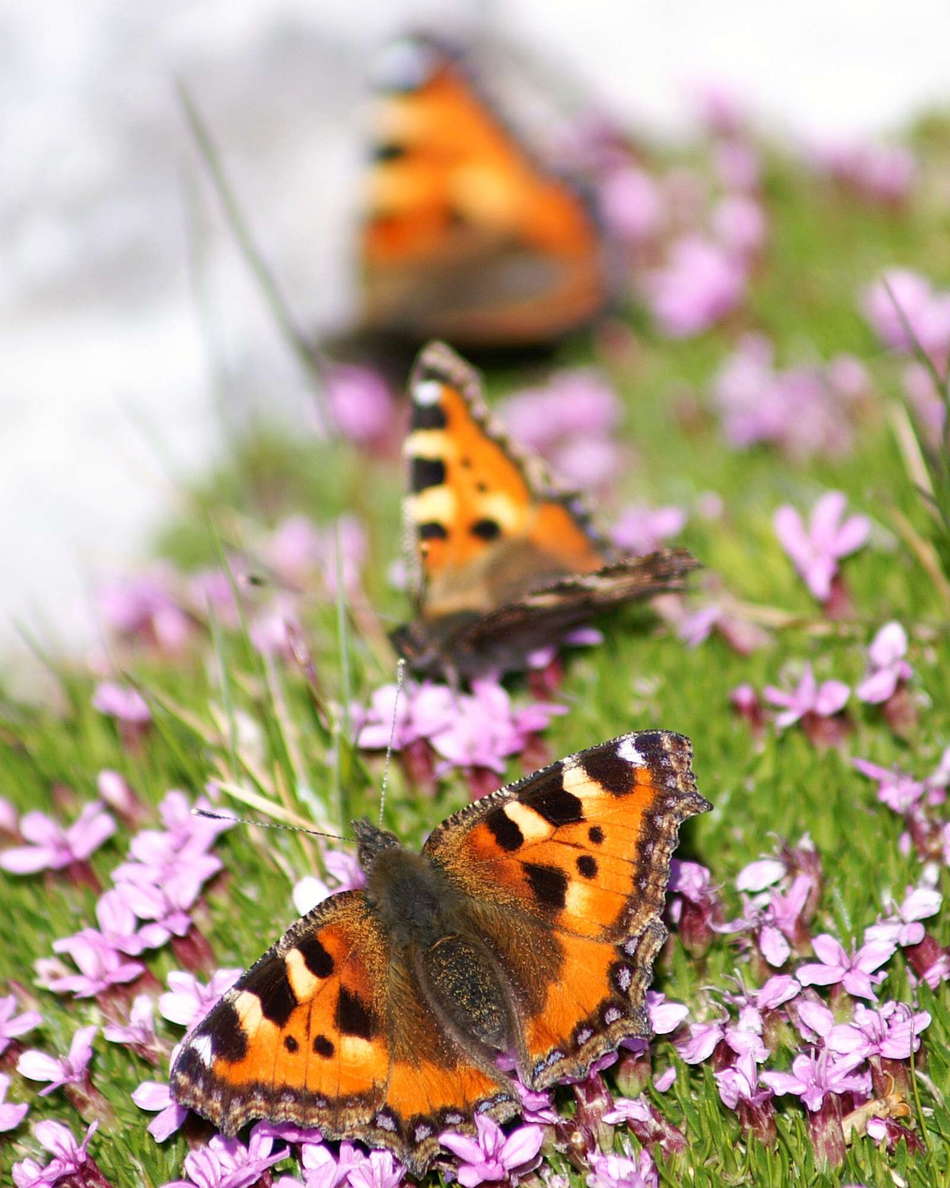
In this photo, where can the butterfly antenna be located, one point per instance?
(196, 812)
(400, 682)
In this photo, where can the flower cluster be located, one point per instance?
(804, 411)
(571, 422)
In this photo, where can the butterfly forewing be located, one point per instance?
(302, 1036)
(465, 235)
(577, 857)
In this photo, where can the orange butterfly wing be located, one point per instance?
(505, 560)
(567, 873)
(465, 236)
(319, 1033)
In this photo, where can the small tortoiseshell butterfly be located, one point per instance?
(505, 561)
(526, 928)
(466, 236)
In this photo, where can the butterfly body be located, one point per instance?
(523, 933)
(505, 561)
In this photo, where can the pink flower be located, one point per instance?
(70, 1162)
(139, 1032)
(853, 971)
(11, 1113)
(121, 702)
(571, 423)
(361, 403)
(876, 172)
(892, 1032)
(815, 551)
(737, 164)
(895, 789)
(802, 410)
(188, 1000)
(888, 668)
(156, 1097)
(143, 607)
(11, 1025)
(700, 284)
(904, 311)
(739, 224)
(808, 697)
(72, 1069)
(100, 965)
(53, 846)
(739, 1082)
(490, 1154)
(378, 1169)
(904, 927)
(631, 204)
(814, 1076)
(227, 1163)
(623, 1171)
(758, 875)
(300, 550)
(640, 529)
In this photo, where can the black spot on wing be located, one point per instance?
(315, 957)
(323, 1046)
(607, 768)
(553, 802)
(427, 416)
(228, 1038)
(505, 831)
(587, 866)
(596, 834)
(486, 529)
(388, 151)
(548, 884)
(426, 472)
(290, 1044)
(268, 980)
(432, 530)
(353, 1016)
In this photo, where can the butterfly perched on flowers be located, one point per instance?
(465, 235)
(526, 928)
(504, 561)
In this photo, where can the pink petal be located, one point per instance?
(758, 875)
(824, 518)
(39, 1066)
(26, 859)
(816, 1017)
(831, 697)
(888, 645)
(852, 535)
(819, 975)
(828, 950)
(791, 534)
(461, 1145)
(521, 1146)
(878, 687)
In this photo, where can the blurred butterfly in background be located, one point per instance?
(466, 236)
(527, 928)
(504, 561)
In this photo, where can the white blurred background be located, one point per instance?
(128, 316)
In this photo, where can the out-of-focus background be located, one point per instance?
(132, 334)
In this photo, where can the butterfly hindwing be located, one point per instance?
(573, 864)
(504, 560)
(465, 235)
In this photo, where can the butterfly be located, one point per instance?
(526, 927)
(503, 562)
(465, 235)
